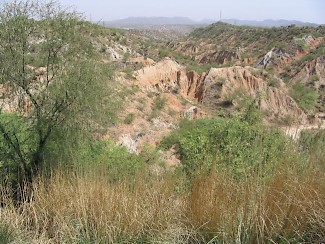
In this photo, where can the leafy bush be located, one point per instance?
(15, 128)
(306, 97)
(129, 118)
(105, 156)
(159, 103)
(274, 82)
(6, 234)
(232, 143)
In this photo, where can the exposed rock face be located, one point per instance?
(309, 41)
(225, 84)
(112, 50)
(162, 75)
(274, 53)
(219, 57)
(219, 87)
(129, 143)
(313, 73)
(141, 60)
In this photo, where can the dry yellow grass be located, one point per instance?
(286, 206)
(217, 208)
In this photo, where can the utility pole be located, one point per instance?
(220, 15)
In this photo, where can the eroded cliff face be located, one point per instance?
(280, 58)
(220, 88)
(169, 76)
(227, 86)
(162, 75)
(313, 73)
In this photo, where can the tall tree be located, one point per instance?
(44, 76)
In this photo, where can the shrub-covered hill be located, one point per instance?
(83, 110)
(240, 43)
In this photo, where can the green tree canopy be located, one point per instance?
(49, 79)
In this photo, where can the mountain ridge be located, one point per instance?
(180, 20)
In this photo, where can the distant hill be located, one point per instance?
(268, 23)
(132, 22)
(150, 21)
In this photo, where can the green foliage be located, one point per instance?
(163, 52)
(301, 44)
(13, 129)
(274, 82)
(6, 234)
(129, 118)
(242, 147)
(313, 143)
(306, 97)
(128, 73)
(46, 57)
(159, 103)
(104, 156)
(126, 56)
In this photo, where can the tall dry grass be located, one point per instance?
(217, 208)
(86, 209)
(285, 208)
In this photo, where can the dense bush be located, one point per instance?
(305, 96)
(245, 148)
(15, 128)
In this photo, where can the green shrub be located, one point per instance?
(274, 82)
(162, 53)
(14, 128)
(108, 157)
(306, 97)
(244, 148)
(128, 73)
(6, 234)
(129, 118)
(159, 103)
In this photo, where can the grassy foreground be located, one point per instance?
(289, 207)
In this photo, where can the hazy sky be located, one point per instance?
(303, 10)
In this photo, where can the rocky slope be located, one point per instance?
(219, 88)
(221, 43)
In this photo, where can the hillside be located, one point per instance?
(268, 23)
(265, 67)
(150, 21)
(280, 53)
(113, 135)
